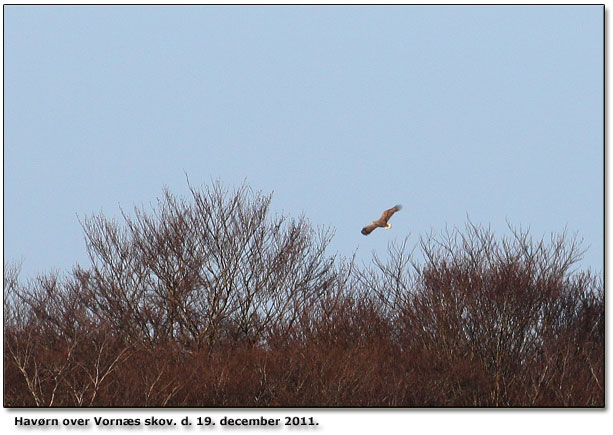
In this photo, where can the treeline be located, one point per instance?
(213, 302)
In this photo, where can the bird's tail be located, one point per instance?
(398, 206)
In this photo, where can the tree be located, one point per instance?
(490, 316)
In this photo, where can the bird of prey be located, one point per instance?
(382, 222)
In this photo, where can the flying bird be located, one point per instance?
(382, 222)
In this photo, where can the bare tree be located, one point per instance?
(492, 307)
(218, 266)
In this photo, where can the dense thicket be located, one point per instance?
(212, 301)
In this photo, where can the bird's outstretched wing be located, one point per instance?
(368, 229)
(387, 214)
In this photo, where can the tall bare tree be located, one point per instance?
(216, 267)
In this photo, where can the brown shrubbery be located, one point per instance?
(213, 302)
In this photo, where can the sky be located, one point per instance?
(487, 113)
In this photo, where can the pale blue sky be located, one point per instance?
(491, 112)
